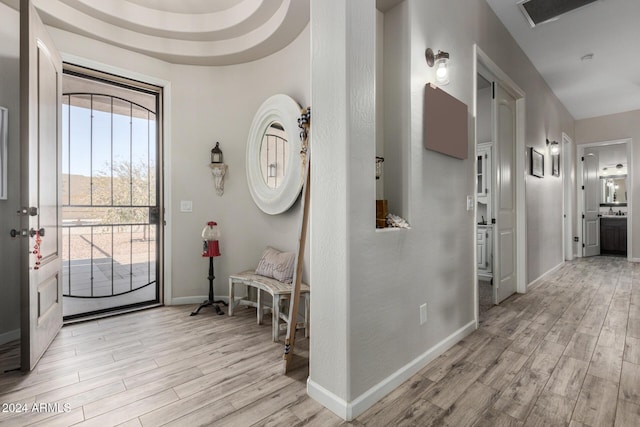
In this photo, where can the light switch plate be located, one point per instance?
(186, 206)
(469, 203)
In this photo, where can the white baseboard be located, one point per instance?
(537, 281)
(634, 259)
(9, 336)
(349, 410)
(194, 300)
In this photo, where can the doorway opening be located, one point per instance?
(567, 188)
(112, 193)
(500, 222)
(605, 173)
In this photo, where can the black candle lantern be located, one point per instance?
(216, 154)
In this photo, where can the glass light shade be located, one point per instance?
(211, 231)
(442, 71)
(554, 148)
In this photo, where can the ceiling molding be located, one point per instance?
(194, 32)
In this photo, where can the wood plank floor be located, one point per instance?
(566, 353)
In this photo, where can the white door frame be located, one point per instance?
(165, 293)
(567, 193)
(579, 180)
(484, 61)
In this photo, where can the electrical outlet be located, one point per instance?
(575, 239)
(423, 313)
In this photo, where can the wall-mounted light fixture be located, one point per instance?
(218, 168)
(216, 154)
(441, 61)
(379, 161)
(554, 147)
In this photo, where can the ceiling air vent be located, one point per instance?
(540, 11)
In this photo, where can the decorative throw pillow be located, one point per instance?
(277, 265)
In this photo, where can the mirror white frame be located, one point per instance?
(283, 109)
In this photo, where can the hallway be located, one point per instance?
(568, 351)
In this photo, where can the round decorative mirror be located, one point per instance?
(274, 165)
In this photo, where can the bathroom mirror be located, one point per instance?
(613, 190)
(274, 166)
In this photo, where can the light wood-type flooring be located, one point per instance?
(566, 353)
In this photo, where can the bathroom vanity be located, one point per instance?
(613, 235)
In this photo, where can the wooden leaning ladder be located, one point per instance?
(304, 123)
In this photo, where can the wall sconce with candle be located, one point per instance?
(441, 61)
(218, 168)
(554, 151)
(554, 147)
(379, 161)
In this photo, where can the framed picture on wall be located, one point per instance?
(537, 163)
(555, 165)
(4, 129)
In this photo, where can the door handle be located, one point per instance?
(17, 233)
(33, 232)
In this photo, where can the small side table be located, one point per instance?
(211, 301)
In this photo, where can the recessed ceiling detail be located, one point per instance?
(608, 84)
(196, 32)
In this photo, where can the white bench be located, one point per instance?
(279, 292)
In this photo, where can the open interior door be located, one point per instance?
(41, 261)
(591, 221)
(504, 107)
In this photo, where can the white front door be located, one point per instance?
(591, 192)
(505, 277)
(41, 261)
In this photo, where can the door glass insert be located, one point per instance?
(110, 184)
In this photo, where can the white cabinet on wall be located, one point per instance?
(483, 178)
(484, 242)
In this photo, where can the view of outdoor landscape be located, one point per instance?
(109, 193)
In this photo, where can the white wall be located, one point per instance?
(483, 119)
(379, 279)
(616, 127)
(218, 104)
(10, 249)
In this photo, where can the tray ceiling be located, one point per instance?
(196, 32)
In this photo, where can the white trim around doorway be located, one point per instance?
(483, 61)
(568, 248)
(580, 198)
